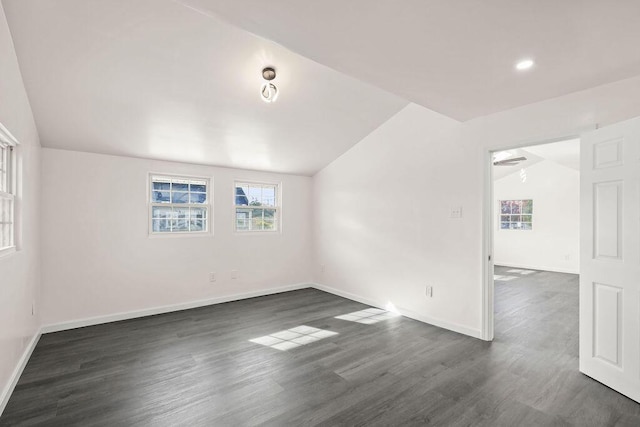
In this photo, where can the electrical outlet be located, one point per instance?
(212, 277)
(429, 291)
(234, 274)
(456, 212)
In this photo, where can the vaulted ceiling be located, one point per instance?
(455, 57)
(179, 79)
(157, 79)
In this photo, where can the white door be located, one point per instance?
(610, 257)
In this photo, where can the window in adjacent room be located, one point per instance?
(7, 191)
(516, 214)
(257, 207)
(179, 204)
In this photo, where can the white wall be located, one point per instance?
(363, 199)
(19, 271)
(382, 221)
(554, 242)
(99, 260)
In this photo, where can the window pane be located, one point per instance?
(241, 196)
(161, 225)
(526, 226)
(161, 212)
(257, 223)
(504, 225)
(243, 219)
(527, 206)
(515, 207)
(5, 236)
(269, 196)
(255, 196)
(180, 225)
(504, 218)
(180, 185)
(515, 218)
(157, 185)
(200, 188)
(505, 207)
(198, 224)
(160, 196)
(5, 210)
(198, 213)
(526, 218)
(198, 198)
(179, 197)
(269, 223)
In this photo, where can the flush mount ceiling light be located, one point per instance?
(268, 90)
(525, 64)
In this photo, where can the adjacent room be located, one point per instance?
(362, 213)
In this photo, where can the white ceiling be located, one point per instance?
(565, 153)
(178, 79)
(455, 57)
(157, 79)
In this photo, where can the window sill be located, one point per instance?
(7, 251)
(257, 233)
(178, 235)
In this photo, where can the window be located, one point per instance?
(257, 207)
(7, 191)
(516, 214)
(179, 204)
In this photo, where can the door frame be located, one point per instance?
(488, 212)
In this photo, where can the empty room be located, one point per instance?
(222, 213)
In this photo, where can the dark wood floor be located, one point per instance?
(197, 368)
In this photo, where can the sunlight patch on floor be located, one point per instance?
(292, 338)
(368, 316)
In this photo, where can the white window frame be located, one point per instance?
(8, 187)
(500, 215)
(208, 231)
(277, 207)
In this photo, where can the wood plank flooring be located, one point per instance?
(197, 368)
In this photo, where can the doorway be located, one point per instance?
(533, 228)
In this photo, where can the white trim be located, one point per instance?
(487, 250)
(488, 218)
(475, 333)
(539, 267)
(8, 250)
(7, 137)
(207, 206)
(278, 207)
(97, 320)
(15, 375)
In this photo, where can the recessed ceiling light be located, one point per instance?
(525, 64)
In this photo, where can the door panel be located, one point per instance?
(610, 256)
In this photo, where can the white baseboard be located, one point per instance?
(15, 375)
(97, 320)
(475, 333)
(537, 267)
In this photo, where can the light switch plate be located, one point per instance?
(455, 212)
